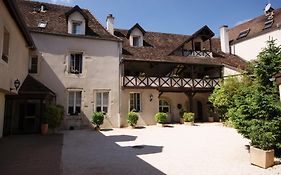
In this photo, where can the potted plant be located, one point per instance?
(211, 111)
(160, 118)
(132, 119)
(188, 118)
(52, 118)
(182, 111)
(262, 145)
(97, 120)
(44, 124)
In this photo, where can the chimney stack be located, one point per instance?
(110, 24)
(224, 39)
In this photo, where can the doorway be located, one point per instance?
(199, 111)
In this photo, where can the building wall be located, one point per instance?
(100, 72)
(18, 58)
(249, 49)
(2, 106)
(148, 108)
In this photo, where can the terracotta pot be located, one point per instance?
(132, 126)
(189, 123)
(261, 158)
(211, 119)
(181, 121)
(44, 128)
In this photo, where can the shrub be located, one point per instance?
(188, 117)
(160, 117)
(53, 115)
(132, 118)
(97, 119)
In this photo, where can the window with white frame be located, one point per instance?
(102, 99)
(135, 102)
(76, 27)
(76, 60)
(136, 41)
(164, 106)
(6, 45)
(74, 102)
(33, 65)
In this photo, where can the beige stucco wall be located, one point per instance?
(148, 108)
(18, 58)
(227, 71)
(249, 49)
(17, 66)
(2, 106)
(100, 72)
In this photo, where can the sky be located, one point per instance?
(173, 16)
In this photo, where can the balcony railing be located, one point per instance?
(168, 82)
(202, 53)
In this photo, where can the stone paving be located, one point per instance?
(194, 150)
(31, 154)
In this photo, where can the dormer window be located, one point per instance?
(243, 33)
(77, 27)
(268, 24)
(136, 41)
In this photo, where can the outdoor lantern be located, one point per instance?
(16, 85)
(151, 97)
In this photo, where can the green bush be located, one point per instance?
(53, 115)
(161, 117)
(188, 117)
(97, 119)
(132, 118)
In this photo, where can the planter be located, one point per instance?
(189, 123)
(132, 126)
(44, 129)
(160, 124)
(211, 119)
(181, 121)
(261, 158)
(97, 128)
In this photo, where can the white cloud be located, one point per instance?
(61, 1)
(241, 22)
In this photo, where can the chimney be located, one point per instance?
(110, 24)
(224, 39)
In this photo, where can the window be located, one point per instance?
(135, 102)
(268, 24)
(74, 102)
(75, 63)
(6, 46)
(136, 41)
(197, 46)
(164, 106)
(33, 66)
(42, 24)
(243, 33)
(76, 27)
(102, 102)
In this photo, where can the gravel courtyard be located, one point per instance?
(194, 150)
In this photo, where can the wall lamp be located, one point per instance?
(16, 85)
(151, 97)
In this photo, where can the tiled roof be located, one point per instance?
(256, 26)
(158, 46)
(56, 18)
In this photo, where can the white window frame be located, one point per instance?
(139, 38)
(101, 100)
(163, 106)
(140, 102)
(73, 23)
(74, 102)
(30, 64)
(69, 63)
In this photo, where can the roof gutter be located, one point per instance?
(14, 11)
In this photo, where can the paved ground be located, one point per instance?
(31, 154)
(193, 150)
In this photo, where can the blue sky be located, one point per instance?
(174, 16)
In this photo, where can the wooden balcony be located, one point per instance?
(202, 53)
(169, 82)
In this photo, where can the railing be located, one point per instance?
(169, 82)
(195, 53)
